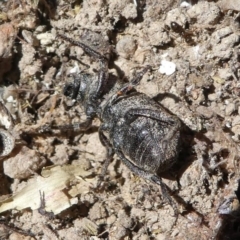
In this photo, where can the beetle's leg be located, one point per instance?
(146, 175)
(129, 86)
(102, 79)
(105, 142)
(165, 193)
(86, 48)
(132, 114)
(134, 82)
(103, 71)
(84, 126)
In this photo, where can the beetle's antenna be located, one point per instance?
(86, 48)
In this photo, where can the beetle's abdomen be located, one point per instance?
(144, 144)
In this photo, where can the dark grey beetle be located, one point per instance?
(139, 130)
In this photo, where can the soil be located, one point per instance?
(193, 50)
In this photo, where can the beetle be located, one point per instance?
(144, 136)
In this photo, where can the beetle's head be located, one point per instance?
(78, 89)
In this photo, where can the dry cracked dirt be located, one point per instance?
(49, 177)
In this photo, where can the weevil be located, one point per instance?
(143, 135)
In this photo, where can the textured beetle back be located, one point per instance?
(144, 140)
